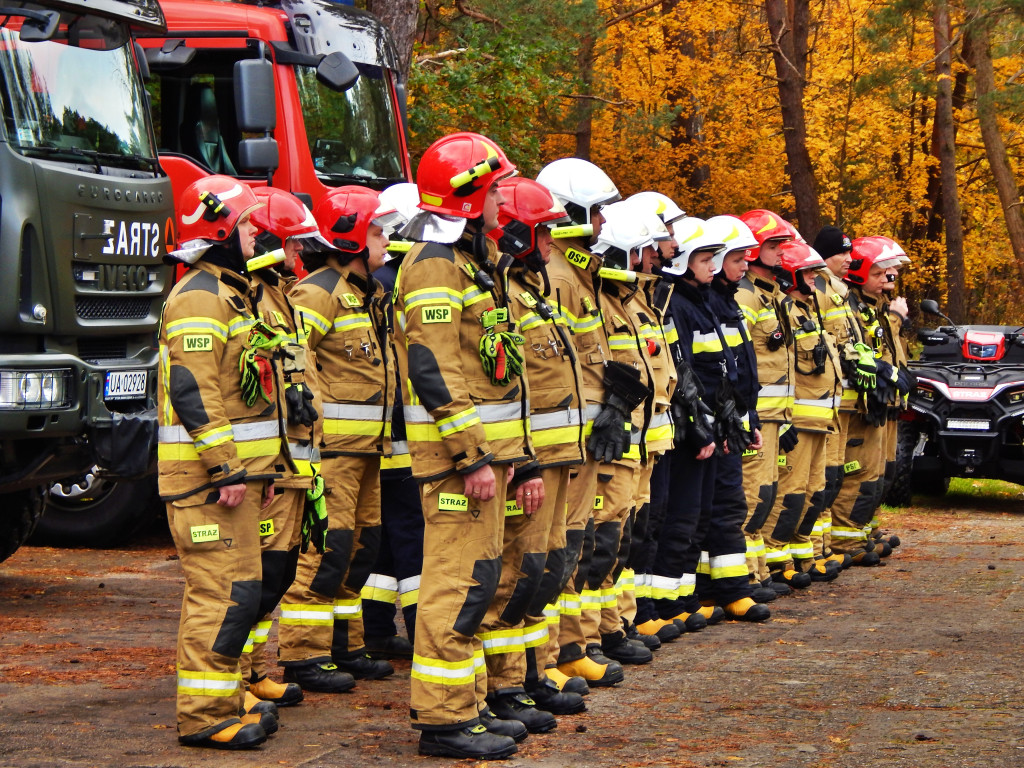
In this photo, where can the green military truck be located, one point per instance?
(85, 220)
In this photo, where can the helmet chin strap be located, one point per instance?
(535, 262)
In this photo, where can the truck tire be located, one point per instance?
(106, 514)
(902, 488)
(19, 513)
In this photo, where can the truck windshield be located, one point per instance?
(75, 97)
(353, 136)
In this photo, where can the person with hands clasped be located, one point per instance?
(221, 439)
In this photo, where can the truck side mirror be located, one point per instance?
(39, 26)
(255, 102)
(258, 154)
(337, 71)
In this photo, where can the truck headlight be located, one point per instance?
(35, 390)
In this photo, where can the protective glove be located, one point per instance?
(862, 362)
(788, 438)
(693, 413)
(905, 381)
(501, 356)
(314, 516)
(299, 400)
(624, 392)
(257, 377)
(729, 429)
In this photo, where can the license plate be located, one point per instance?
(124, 385)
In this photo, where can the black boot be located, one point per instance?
(362, 667)
(393, 647)
(474, 742)
(322, 678)
(619, 648)
(514, 729)
(518, 706)
(550, 699)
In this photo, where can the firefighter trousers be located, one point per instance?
(396, 574)
(722, 575)
(219, 551)
(634, 536)
(800, 478)
(889, 466)
(645, 545)
(280, 526)
(321, 614)
(835, 457)
(674, 570)
(462, 544)
(508, 629)
(760, 486)
(855, 504)
(566, 641)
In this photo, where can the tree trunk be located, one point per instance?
(585, 106)
(788, 27)
(980, 57)
(401, 18)
(955, 282)
(687, 127)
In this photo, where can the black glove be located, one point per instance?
(299, 400)
(729, 429)
(878, 402)
(690, 413)
(610, 436)
(904, 381)
(788, 438)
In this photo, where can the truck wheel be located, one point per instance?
(96, 512)
(19, 514)
(900, 492)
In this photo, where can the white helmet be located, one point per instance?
(734, 233)
(578, 185)
(691, 235)
(662, 205)
(404, 198)
(624, 231)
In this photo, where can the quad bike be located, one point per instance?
(966, 412)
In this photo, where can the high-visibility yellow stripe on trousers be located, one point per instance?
(208, 683)
(447, 672)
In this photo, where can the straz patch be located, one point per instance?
(512, 509)
(204, 533)
(452, 502)
(266, 527)
(437, 314)
(197, 342)
(851, 466)
(599, 502)
(577, 258)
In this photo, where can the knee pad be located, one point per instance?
(486, 574)
(586, 555)
(276, 579)
(864, 506)
(606, 547)
(765, 501)
(239, 618)
(365, 556)
(789, 517)
(333, 563)
(551, 583)
(532, 567)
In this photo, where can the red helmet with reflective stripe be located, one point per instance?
(456, 173)
(765, 225)
(283, 214)
(526, 204)
(796, 256)
(868, 252)
(345, 215)
(211, 207)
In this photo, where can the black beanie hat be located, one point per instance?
(831, 241)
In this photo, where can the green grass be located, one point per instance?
(963, 486)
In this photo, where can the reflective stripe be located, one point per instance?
(307, 615)
(502, 641)
(447, 672)
(801, 550)
(552, 613)
(437, 295)
(250, 642)
(208, 683)
(352, 322)
(705, 342)
(379, 587)
(351, 608)
(409, 591)
(727, 566)
(777, 554)
(842, 532)
(777, 390)
(258, 438)
(535, 635)
(313, 318)
(664, 587)
(755, 547)
(196, 325)
(570, 604)
(704, 564)
(399, 458)
(500, 420)
(561, 418)
(262, 630)
(687, 584)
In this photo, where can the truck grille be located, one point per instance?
(112, 308)
(103, 348)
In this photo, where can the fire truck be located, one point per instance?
(85, 218)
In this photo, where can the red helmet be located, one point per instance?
(283, 214)
(346, 213)
(765, 226)
(868, 252)
(456, 172)
(527, 204)
(210, 208)
(795, 257)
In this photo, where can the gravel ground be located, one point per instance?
(915, 663)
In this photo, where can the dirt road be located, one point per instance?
(917, 663)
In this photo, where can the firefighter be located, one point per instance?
(533, 552)
(817, 388)
(839, 321)
(220, 399)
(760, 300)
(321, 639)
(286, 222)
(582, 188)
(855, 503)
(461, 355)
(396, 574)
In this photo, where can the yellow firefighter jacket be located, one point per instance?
(760, 302)
(816, 368)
